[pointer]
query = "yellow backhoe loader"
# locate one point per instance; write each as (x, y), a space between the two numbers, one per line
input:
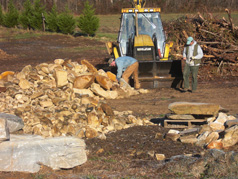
(141, 36)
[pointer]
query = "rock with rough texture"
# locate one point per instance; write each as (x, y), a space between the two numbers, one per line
(14, 123)
(172, 136)
(160, 156)
(194, 108)
(213, 136)
(61, 78)
(191, 131)
(84, 81)
(202, 139)
(191, 139)
(103, 93)
(212, 164)
(4, 130)
(24, 84)
(48, 100)
(104, 82)
(231, 123)
(180, 117)
(91, 133)
(25, 153)
(230, 137)
(83, 92)
(218, 124)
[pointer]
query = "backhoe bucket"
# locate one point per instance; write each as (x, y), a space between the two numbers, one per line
(158, 74)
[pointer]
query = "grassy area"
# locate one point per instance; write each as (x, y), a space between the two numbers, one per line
(14, 33)
(83, 48)
(109, 23)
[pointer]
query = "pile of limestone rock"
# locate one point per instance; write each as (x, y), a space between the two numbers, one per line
(65, 98)
(220, 130)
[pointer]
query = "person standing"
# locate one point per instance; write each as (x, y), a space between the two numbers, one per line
(192, 54)
(126, 66)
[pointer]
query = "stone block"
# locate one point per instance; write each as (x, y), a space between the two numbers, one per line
(194, 108)
(25, 153)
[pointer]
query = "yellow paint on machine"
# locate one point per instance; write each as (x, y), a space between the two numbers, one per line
(143, 40)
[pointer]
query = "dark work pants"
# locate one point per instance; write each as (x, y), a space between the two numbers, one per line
(186, 73)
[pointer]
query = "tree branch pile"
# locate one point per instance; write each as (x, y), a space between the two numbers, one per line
(217, 37)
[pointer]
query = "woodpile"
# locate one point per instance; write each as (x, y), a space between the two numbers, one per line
(217, 37)
(65, 98)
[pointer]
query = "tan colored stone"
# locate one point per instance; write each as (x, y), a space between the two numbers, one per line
(104, 81)
(93, 119)
(158, 135)
(180, 116)
(91, 133)
(61, 78)
(83, 92)
(202, 139)
(59, 61)
(24, 84)
(188, 139)
(172, 136)
(143, 91)
(217, 126)
(101, 92)
(46, 104)
(213, 136)
(107, 109)
(230, 137)
(194, 108)
(205, 128)
(83, 81)
(37, 94)
(160, 157)
(131, 119)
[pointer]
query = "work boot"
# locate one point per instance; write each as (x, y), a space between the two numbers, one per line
(184, 90)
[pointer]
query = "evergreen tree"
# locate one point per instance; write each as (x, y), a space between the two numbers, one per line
(11, 17)
(88, 22)
(38, 10)
(26, 15)
(1, 15)
(51, 19)
(66, 22)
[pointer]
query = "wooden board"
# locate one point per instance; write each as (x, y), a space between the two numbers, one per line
(183, 123)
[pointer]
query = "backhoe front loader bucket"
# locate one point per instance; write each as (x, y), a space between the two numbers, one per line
(158, 74)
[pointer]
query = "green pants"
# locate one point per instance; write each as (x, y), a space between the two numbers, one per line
(187, 70)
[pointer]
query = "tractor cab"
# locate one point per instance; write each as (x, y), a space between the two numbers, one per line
(145, 37)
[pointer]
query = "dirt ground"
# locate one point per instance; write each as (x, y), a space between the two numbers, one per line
(126, 153)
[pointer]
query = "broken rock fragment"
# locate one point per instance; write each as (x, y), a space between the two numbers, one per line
(4, 131)
(14, 123)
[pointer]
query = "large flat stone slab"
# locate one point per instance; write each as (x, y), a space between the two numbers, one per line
(25, 153)
(194, 108)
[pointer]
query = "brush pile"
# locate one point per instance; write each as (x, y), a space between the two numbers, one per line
(217, 37)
